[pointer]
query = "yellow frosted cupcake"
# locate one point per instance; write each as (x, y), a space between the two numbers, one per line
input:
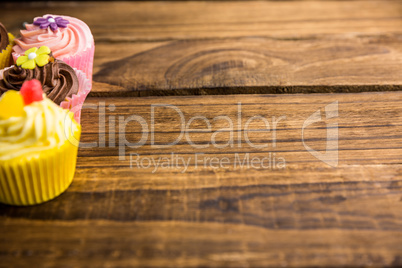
(6, 45)
(38, 146)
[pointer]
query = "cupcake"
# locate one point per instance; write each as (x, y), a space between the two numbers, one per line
(38, 146)
(64, 85)
(69, 39)
(6, 44)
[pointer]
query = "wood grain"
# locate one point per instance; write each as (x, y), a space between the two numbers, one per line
(168, 244)
(307, 214)
(256, 66)
(170, 20)
(253, 47)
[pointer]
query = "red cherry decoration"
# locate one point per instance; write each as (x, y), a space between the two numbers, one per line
(31, 91)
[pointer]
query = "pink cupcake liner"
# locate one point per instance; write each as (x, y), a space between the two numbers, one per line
(82, 61)
(75, 103)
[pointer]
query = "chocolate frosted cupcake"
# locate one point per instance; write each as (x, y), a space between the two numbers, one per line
(63, 84)
(6, 45)
(59, 80)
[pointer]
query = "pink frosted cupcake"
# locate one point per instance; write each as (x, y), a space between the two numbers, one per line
(69, 39)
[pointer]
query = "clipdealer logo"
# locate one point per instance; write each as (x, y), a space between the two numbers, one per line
(237, 128)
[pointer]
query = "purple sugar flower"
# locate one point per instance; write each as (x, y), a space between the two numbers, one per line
(53, 23)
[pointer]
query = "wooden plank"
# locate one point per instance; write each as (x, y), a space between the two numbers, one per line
(254, 66)
(308, 213)
(193, 48)
(360, 126)
(161, 21)
(185, 244)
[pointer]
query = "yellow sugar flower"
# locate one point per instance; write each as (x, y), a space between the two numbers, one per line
(33, 57)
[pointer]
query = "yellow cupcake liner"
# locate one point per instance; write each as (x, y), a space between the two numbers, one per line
(5, 54)
(34, 179)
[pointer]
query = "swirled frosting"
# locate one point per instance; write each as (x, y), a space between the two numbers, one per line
(58, 80)
(43, 126)
(3, 37)
(63, 42)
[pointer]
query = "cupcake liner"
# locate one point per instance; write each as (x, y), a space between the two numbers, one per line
(5, 53)
(82, 61)
(30, 180)
(75, 103)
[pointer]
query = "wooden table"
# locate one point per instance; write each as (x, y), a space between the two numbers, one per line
(223, 64)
